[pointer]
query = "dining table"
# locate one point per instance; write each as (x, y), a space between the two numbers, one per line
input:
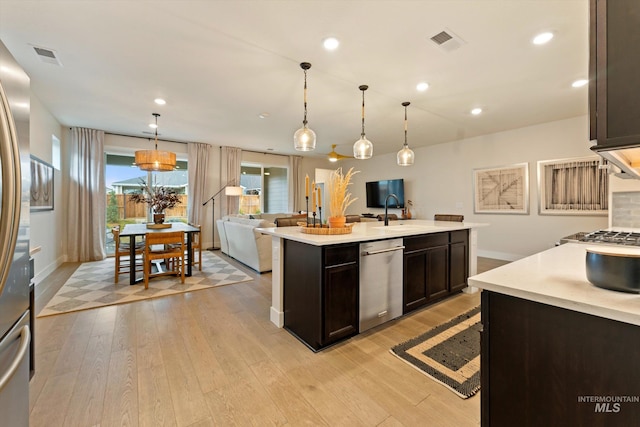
(135, 231)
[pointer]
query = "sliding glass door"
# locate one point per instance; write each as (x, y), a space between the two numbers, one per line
(264, 189)
(123, 178)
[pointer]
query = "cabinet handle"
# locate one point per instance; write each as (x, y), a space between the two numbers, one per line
(383, 313)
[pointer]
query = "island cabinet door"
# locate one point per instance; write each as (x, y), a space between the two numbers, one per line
(340, 302)
(426, 269)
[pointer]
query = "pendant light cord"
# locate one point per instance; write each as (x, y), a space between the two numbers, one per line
(363, 88)
(156, 115)
(405, 126)
(304, 122)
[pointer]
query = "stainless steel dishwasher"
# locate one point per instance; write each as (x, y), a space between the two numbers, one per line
(380, 282)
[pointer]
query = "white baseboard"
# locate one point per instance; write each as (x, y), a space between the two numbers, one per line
(277, 317)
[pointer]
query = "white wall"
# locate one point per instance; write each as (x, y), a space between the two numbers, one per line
(47, 228)
(441, 181)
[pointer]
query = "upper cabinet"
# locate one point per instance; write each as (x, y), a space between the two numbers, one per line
(614, 71)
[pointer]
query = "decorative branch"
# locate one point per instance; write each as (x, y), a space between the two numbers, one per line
(158, 197)
(339, 198)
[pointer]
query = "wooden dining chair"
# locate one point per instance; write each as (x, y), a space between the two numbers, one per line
(196, 238)
(122, 254)
(448, 217)
(169, 247)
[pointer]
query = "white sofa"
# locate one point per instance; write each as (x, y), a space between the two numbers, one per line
(240, 240)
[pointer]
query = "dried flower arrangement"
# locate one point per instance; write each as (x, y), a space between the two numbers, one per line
(157, 197)
(339, 198)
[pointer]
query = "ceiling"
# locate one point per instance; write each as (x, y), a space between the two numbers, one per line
(220, 64)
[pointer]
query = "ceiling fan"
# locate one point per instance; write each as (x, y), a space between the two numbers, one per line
(334, 157)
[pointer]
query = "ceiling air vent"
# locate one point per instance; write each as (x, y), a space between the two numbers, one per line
(447, 40)
(47, 55)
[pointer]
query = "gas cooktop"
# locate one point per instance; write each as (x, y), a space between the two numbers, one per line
(613, 237)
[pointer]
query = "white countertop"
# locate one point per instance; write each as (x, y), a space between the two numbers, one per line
(558, 277)
(366, 231)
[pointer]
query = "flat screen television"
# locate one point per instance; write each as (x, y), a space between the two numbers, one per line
(377, 192)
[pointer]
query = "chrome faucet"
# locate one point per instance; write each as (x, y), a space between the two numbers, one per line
(386, 207)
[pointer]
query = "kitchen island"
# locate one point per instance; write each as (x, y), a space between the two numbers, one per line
(321, 272)
(555, 349)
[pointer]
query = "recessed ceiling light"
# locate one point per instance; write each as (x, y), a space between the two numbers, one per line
(331, 43)
(159, 101)
(264, 115)
(543, 38)
(579, 83)
(476, 111)
(422, 86)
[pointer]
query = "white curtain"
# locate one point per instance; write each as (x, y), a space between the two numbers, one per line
(86, 222)
(198, 158)
(231, 159)
(294, 183)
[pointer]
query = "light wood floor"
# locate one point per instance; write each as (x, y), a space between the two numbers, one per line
(212, 357)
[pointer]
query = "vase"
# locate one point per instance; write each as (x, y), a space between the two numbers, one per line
(158, 218)
(337, 221)
(408, 214)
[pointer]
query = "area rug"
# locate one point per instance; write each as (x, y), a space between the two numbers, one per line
(92, 285)
(448, 353)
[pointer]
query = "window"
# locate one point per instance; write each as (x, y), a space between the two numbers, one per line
(55, 152)
(264, 189)
(122, 178)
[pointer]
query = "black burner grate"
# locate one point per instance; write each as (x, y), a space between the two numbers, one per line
(616, 237)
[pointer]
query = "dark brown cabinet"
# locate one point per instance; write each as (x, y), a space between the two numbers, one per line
(321, 285)
(547, 366)
(341, 286)
(321, 288)
(435, 266)
(614, 64)
(458, 260)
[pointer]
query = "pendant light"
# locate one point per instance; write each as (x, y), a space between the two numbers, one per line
(405, 155)
(305, 139)
(363, 148)
(156, 160)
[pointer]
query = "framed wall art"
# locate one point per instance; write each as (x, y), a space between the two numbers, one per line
(575, 186)
(41, 195)
(502, 190)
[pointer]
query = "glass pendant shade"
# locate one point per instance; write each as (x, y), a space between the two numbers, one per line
(155, 160)
(406, 157)
(304, 139)
(363, 148)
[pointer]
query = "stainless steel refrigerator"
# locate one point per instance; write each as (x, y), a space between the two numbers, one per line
(15, 182)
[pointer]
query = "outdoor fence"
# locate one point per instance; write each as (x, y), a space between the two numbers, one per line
(128, 209)
(249, 204)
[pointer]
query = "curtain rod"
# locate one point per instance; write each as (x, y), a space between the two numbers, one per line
(182, 142)
(151, 137)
